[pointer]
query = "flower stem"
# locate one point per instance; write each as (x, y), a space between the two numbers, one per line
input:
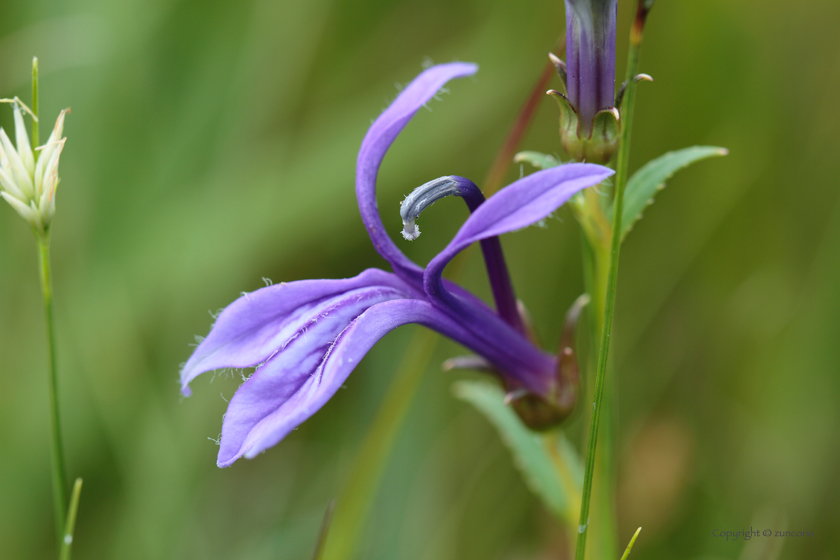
(596, 253)
(612, 277)
(56, 450)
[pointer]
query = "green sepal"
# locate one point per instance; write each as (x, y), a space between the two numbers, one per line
(549, 465)
(619, 98)
(537, 159)
(545, 412)
(569, 124)
(606, 134)
(595, 145)
(650, 179)
(560, 66)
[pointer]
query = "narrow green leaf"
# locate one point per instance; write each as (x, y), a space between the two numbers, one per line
(549, 477)
(70, 527)
(325, 528)
(650, 179)
(537, 159)
(630, 545)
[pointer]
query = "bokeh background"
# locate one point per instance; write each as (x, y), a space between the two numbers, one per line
(213, 143)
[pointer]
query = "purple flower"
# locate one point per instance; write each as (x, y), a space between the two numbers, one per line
(589, 112)
(306, 337)
(590, 56)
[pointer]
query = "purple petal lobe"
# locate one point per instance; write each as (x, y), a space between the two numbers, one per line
(296, 382)
(258, 324)
(379, 138)
(521, 204)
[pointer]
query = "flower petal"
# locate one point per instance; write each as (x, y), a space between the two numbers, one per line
(53, 142)
(259, 324)
(45, 185)
(8, 184)
(16, 170)
(21, 208)
(24, 149)
(379, 138)
(286, 391)
(517, 206)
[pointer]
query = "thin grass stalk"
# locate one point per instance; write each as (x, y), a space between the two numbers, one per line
(59, 477)
(612, 278)
(70, 527)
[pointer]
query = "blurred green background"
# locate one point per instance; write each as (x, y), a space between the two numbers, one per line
(213, 143)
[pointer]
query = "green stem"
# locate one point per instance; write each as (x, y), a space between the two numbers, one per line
(603, 494)
(612, 277)
(56, 451)
(596, 252)
(70, 527)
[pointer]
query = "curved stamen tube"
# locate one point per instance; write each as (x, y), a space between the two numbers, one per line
(421, 198)
(427, 194)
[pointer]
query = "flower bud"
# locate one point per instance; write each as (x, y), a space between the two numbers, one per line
(589, 122)
(590, 56)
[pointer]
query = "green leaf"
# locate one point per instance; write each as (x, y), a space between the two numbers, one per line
(650, 179)
(549, 464)
(630, 546)
(70, 526)
(325, 529)
(537, 159)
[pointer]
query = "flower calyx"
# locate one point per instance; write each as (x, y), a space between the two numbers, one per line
(542, 413)
(593, 142)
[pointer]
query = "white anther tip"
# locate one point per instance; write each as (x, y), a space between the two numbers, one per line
(410, 231)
